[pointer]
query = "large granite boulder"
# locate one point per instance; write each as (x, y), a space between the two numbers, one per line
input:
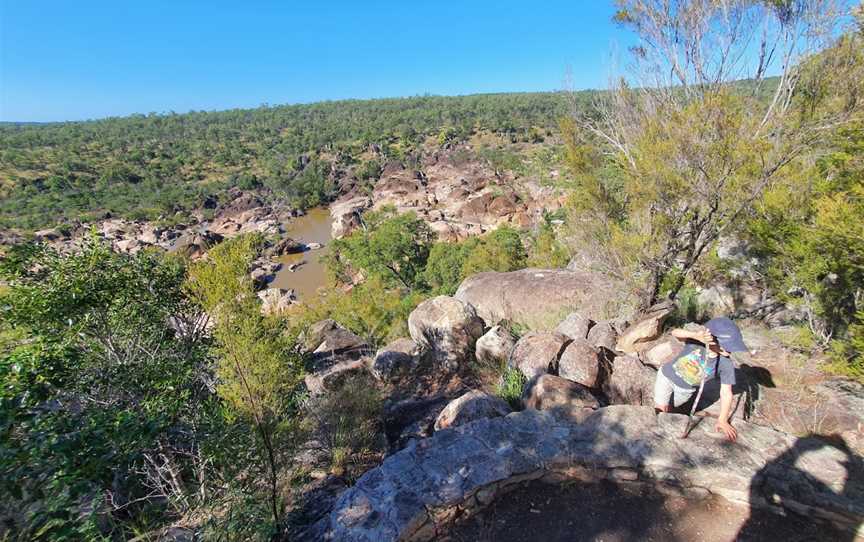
(537, 298)
(581, 363)
(286, 246)
(412, 418)
(631, 383)
(648, 327)
(537, 353)
(559, 395)
(329, 343)
(495, 346)
(603, 334)
(660, 351)
(471, 406)
(448, 327)
(575, 326)
(342, 342)
(314, 336)
(334, 375)
(346, 215)
(398, 358)
(194, 245)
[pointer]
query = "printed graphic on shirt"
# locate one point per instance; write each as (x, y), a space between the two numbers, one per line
(692, 368)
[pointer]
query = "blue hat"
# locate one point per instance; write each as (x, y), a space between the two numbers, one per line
(727, 334)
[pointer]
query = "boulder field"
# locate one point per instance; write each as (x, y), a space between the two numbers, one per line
(586, 414)
(458, 198)
(417, 492)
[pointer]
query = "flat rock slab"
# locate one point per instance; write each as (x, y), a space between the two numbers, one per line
(416, 492)
(537, 298)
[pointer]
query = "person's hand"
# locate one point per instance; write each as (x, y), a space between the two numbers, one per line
(704, 336)
(727, 429)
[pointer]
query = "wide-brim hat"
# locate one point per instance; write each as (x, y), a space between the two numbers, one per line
(727, 334)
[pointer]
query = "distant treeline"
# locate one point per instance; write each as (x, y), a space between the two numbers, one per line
(156, 165)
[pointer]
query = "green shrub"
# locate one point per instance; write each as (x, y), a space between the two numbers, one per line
(391, 247)
(511, 386)
(348, 420)
(96, 379)
(499, 250)
(443, 272)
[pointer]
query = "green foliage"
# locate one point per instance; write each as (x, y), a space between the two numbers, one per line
(390, 247)
(348, 421)
(155, 165)
(450, 263)
(511, 386)
(95, 380)
(444, 268)
(500, 250)
(810, 232)
(258, 366)
(371, 310)
(688, 308)
(502, 158)
(546, 250)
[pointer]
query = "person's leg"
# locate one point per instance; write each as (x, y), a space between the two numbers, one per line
(663, 391)
(681, 395)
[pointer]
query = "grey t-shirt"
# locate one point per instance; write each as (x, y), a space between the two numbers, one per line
(688, 367)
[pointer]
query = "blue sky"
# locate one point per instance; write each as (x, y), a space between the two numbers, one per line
(69, 60)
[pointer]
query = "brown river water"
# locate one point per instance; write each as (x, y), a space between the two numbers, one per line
(313, 227)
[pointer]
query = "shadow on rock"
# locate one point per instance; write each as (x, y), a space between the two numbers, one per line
(783, 481)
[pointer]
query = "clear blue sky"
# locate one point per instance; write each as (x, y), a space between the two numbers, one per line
(70, 60)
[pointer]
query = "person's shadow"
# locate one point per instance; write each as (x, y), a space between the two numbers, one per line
(782, 480)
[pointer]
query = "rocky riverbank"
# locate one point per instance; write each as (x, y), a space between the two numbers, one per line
(458, 198)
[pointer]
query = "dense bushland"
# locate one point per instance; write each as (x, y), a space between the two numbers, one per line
(666, 170)
(146, 166)
(124, 406)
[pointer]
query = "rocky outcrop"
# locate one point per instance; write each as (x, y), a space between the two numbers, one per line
(263, 271)
(581, 363)
(276, 300)
(334, 375)
(469, 407)
(536, 353)
(346, 215)
(661, 351)
(412, 418)
(631, 383)
(50, 235)
(394, 360)
(448, 327)
(336, 354)
(416, 492)
(329, 343)
(559, 396)
(575, 326)
(648, 327)
(495, 346)
(460, 197)
(194, 245)
(537, 298)
(603, 334)
(286, 246)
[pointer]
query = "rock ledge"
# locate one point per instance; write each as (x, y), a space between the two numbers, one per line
(417, 492)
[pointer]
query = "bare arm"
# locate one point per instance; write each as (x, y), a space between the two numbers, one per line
(702, 335)
(725, 409)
